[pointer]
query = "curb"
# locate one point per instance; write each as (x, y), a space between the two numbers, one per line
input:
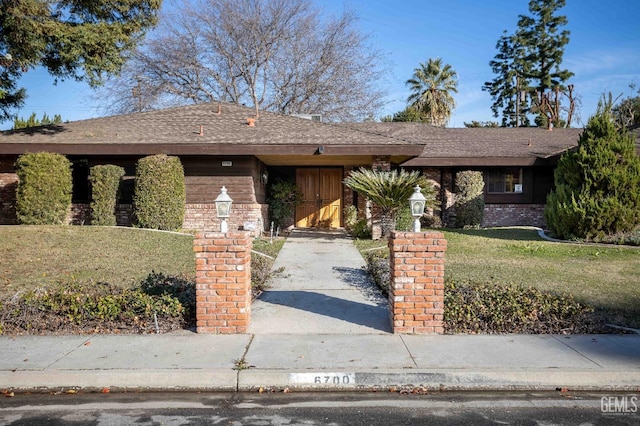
(197, 380)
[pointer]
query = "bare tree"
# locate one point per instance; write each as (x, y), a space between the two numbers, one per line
(276, 55)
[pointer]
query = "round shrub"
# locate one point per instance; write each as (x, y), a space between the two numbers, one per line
(43, 196)
(105, 185)
(469, 205)
(159, 195)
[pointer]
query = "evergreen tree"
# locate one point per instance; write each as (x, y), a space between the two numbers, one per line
(507, 87)
(76, 39)
(543, 41)
(597, 186)
(409, 114)
(529, 61)
(33, 121)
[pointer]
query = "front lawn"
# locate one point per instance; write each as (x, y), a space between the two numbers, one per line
(42, 255)
(84, 279)
(605, 277)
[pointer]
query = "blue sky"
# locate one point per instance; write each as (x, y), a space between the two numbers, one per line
(603, 52)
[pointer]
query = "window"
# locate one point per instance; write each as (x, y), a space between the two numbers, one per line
(507, 180)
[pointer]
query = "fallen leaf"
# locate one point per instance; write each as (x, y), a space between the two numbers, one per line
(87, 343)
(71, 391)
(261, 390)
(105, 390)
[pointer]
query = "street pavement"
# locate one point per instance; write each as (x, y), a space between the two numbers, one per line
(321, 326)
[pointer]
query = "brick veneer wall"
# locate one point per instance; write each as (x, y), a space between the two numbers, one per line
(197, 216)
(416, 291)
(223, 282)
(203, 216)
(514, 215)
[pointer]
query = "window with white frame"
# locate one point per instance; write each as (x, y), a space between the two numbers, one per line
(506, 180)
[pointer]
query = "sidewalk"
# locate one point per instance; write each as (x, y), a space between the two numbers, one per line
(188, 361)
(320, 327)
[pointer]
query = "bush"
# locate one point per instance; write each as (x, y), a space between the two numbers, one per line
(431, 221)
(283, 198)
(105, 185)
(469, 204)
(159, 195)
(486, 308)
(350, 215)
(45, 185)
(94, 308)
(361, 230)
(597, 186)
(378, 269)
(404, 220)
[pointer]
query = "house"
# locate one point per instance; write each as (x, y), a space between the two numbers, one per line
(223, 144)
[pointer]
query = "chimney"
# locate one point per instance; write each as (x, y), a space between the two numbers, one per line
(201, 130)
(219, 110)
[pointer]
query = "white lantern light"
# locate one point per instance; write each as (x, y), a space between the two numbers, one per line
(417, 202)
(223, 208)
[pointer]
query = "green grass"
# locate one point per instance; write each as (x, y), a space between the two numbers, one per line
(41, 255)
(605, 277)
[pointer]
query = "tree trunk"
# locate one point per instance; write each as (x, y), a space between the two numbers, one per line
(387, 224)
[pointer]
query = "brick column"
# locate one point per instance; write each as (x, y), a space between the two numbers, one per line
(223, 282)
(416, 291)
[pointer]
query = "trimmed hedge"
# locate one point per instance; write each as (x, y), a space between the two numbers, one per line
(105, 186)
(45, 185)
(159, 196)
(469, 205)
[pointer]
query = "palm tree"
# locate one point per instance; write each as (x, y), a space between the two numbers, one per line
(390, 191)
(431, 86)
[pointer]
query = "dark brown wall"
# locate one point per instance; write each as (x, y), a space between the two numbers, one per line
(205, 177)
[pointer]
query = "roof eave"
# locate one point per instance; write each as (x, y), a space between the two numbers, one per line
(208, 149)
(475, 162)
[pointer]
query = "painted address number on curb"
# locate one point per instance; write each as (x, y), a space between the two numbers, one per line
(328, 379)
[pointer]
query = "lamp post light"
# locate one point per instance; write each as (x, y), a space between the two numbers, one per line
(223, 208)
(417, 202)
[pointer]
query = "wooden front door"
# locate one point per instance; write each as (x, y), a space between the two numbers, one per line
(322, 197)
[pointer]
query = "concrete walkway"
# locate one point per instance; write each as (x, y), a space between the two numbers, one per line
(321, 326)
(322, 290)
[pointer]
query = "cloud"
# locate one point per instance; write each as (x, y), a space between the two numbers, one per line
(599, 61)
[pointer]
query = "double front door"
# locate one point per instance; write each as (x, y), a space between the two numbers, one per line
(322, 197)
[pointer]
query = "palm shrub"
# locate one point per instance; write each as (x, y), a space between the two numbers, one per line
(159, 195)
(597, 186)
(469, 204)
(390, 191)
(105, 185)
(45, 185)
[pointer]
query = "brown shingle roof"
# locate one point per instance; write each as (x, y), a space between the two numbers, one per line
(443, 145)
(178, 130)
